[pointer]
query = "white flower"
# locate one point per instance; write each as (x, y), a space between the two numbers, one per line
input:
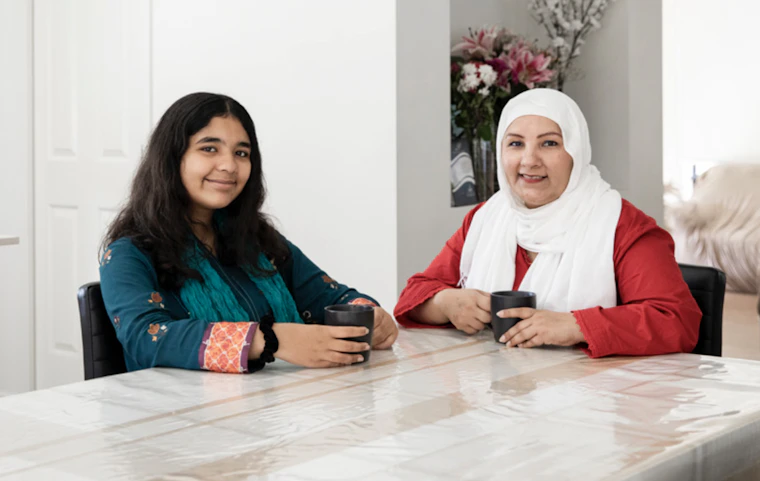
(484, 91)
(469, 69)
(469, 82)
(487, 75)
(556, 14)
(564, 20)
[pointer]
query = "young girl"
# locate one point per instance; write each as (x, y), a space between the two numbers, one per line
(195, 276)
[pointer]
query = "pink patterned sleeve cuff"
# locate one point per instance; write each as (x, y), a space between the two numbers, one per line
(225, 346)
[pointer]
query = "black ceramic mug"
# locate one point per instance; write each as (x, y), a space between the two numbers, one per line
(501, 300)
(353, 315)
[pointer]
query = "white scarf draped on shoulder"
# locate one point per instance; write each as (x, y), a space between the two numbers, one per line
(574, 236)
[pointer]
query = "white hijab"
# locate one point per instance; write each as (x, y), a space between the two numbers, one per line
(574, 236)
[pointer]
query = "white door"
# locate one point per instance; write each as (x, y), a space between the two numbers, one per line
(92, 119)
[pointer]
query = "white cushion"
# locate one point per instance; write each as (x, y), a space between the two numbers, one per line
(720, 224)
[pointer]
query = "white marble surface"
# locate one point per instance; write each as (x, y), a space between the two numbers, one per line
(6, 240)
(440, 406)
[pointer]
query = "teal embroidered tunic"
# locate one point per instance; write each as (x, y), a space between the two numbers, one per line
(156, 329)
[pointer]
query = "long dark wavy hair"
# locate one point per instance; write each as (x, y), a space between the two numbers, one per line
(156, 216)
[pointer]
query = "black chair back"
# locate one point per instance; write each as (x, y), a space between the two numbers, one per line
(103, 354)
(708, 286)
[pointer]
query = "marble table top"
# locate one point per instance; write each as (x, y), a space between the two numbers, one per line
(439, 406)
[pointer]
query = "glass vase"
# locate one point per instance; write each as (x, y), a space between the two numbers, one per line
(484, 164)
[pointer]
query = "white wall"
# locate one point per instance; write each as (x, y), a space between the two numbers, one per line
(645, 129)
(711, 104)
(319, 80)
(619, 93)
(426, 29)
(425, 219)
(512, 14)
(16, 302)
(621, 96)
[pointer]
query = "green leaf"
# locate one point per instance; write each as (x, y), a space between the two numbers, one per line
(484, 132)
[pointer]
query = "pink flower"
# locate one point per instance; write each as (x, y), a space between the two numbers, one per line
(501, 67)
(527, 67)
(481, 44)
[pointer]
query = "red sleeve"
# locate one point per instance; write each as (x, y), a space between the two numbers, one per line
(656, 313)
(442, 273)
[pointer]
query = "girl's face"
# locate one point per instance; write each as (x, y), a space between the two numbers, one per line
(216, 166)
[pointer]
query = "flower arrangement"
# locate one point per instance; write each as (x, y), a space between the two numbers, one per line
(488, 67)
(568, 23)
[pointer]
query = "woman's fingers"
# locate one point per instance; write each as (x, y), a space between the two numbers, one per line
(525, 335)
(518, 312)
(340, 345)
(383, 342)
(483, 316)
(483, 300)
(342, 358)
(535, 341)
(511, 333)
(344, 332)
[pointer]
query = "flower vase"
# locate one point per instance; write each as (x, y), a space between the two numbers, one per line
(484, 164)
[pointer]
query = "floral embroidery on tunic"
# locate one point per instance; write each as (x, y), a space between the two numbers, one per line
(156, 331)
(329, 280)
(106, 258)
(155, 298)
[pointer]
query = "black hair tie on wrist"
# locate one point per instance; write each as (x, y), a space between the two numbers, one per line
(271, 344)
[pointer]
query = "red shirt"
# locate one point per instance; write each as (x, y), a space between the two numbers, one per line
(656, 313)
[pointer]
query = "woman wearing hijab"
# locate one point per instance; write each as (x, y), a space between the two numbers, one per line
(195, 276)
(604, 273)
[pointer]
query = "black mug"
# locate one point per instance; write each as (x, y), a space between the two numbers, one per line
(353, 315)
(501, 300)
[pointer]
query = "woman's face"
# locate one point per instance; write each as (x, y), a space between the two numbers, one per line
(216, 166)
(535, 161)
